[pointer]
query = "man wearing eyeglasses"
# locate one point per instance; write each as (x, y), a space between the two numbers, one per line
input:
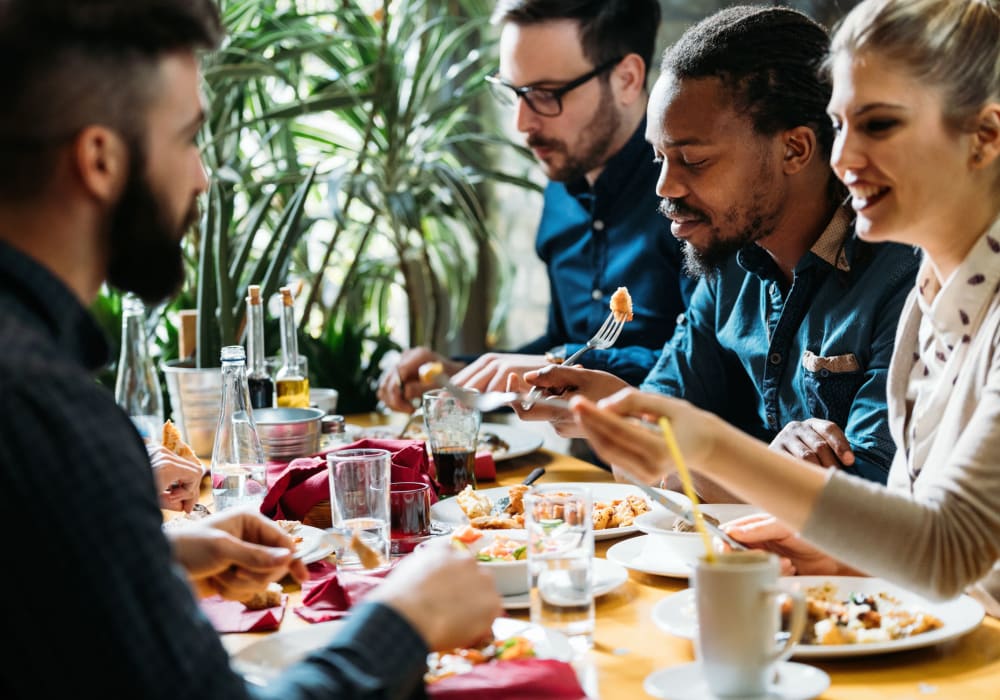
(575, 75)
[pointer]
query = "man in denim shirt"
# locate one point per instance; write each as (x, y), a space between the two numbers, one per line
(577, 76)
(789, 333)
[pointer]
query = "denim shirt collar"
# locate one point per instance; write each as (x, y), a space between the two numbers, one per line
(834, 248)
(54, 307)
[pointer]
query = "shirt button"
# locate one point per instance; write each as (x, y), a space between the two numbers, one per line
(596, 295)
(772, 421)
(775, 358)
(598, 225)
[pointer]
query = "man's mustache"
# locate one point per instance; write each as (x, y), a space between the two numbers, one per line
(542, 142)
(674, 209)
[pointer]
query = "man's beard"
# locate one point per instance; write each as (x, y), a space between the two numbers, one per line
(752, 226)
(596, 136)
(145, 255)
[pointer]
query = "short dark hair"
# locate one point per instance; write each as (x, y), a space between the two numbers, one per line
(770, 60)
(609, 29)
(84, 62)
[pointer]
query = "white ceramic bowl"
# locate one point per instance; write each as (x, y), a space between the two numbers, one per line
(324, 399)
(511, 576)
(685, 546)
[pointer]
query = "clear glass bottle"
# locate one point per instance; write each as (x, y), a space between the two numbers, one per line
(237, 456)
(258, 379)
(291, 385)
(137, 385)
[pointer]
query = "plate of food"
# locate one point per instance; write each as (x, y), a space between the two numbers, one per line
(309, 541)
(850, 616)
(501, 440)
(615, 507)
(261, 661)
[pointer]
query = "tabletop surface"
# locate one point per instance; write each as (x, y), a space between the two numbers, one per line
(629, 646)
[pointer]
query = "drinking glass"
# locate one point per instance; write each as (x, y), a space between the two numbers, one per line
(453, 434)
(560, 556)
(359, 500)
(410, 515)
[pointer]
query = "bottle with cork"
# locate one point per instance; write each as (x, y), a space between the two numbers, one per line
(258, 379)
(291, 385)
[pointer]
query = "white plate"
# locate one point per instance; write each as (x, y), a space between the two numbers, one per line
(448, 511)
(687, 682)
(632, 554)
(261, 661)
(607, 577)
(519, 440)
(314, 546)
(676, 615)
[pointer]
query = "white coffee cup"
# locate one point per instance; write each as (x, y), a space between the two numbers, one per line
(739, 617)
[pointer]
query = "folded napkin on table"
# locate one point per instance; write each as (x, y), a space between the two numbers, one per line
(329, 594)
(525, 679)
(233, 616)
(295, 487)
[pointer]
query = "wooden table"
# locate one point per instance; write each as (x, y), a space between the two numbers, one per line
(629, 646)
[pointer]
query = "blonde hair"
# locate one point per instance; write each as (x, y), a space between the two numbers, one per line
(952, 45)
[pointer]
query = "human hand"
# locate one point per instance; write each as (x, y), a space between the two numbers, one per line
(444, 594)
(400, 384)
(815, 440)
(798, 557)
(611, 428)
(235, 553)
(178, 479)
(565, 382)
(490, 371)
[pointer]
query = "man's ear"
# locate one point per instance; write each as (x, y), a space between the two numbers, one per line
(101, 157)
(800, 147)
(629, 78)
(986, 137)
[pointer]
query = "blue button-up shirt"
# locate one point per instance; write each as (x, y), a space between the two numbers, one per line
(762, 355)
(596, 239)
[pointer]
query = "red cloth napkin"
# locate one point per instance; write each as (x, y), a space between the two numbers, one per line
(329, 594)
(524, 679)
(233, 616)
(295, 487)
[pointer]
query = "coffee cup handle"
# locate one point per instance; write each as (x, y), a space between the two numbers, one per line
(797, 622)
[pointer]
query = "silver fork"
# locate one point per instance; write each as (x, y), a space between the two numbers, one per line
(604, 338)
(485, 402)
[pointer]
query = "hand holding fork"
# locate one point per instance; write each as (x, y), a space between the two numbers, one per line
(604, 338)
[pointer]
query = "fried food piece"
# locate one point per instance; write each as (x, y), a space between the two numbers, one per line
(267, 598)
(621, 305)
(172, 441)
(602, 517)
(516, 494)
(492, 522)
(429, 371)
(473, 503)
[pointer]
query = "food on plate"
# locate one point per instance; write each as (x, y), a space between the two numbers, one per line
(292, 528)
(478, 508)
(500, 549)
(859, 618)
(621, 305)
(473, 503)
(454, 661)
(620, 512)
(682, 525)
(172, 441)
(267, 598)
(488, 442)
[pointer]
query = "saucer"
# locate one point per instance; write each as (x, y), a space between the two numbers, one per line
(686, 682)
(607, 577)
(632, 554)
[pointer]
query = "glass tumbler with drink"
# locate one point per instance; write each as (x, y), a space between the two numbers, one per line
(560, 557)
(453, 434)
(359, 501)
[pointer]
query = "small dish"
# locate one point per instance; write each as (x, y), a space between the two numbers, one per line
(687, 682)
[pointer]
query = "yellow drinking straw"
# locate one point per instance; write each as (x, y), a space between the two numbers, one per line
(675, 453)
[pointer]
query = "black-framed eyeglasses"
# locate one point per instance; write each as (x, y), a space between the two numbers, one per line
(544, 101)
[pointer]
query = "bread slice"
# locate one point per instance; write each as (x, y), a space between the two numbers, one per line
(173, 442)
